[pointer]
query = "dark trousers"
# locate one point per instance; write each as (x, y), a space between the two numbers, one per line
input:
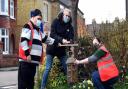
(98, 84)
(26, 75)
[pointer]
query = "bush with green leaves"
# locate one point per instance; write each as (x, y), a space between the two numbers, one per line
(38, 76)
(57, 79)
(86, 84)
(112, 39)
(122, 84)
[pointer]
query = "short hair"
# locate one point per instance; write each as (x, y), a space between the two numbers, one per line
(99, 40)
(32, 13)
(35, 12)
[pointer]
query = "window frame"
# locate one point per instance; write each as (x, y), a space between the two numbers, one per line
(5, 7)
(6, 38)
(12, 7)
(45, 11)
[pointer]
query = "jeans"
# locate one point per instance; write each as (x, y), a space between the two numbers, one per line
(49, 62)
(98, 84)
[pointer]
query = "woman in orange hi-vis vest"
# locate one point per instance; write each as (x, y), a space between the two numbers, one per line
(107, 73)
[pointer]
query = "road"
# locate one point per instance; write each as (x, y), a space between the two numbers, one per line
(8, 79)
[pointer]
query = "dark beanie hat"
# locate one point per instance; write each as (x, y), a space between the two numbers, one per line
(32, 13)
(36, 12)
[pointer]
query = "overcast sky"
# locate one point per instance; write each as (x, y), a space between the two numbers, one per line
(102, 10)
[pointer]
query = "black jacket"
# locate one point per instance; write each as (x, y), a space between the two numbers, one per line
(59, 31)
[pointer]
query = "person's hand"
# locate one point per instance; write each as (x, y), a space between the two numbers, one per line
(77, 62)
(64, 41)
(50, 41)
(29, 58)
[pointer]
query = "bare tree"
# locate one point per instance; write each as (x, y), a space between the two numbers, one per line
(74, 8)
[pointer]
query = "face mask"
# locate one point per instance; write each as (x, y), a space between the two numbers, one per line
(65, 19)
(38, 23)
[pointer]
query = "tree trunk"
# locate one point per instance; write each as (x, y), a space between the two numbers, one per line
(74, 8)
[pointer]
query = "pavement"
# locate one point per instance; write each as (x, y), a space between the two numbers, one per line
(9, 69)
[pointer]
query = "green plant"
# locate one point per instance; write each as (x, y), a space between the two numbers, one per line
(38, 76)
(60, 82)
(86, 84)
(122, 84)
(57, 79)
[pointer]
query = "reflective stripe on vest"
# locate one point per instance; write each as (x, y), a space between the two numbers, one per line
(106, 66)
(106, 58)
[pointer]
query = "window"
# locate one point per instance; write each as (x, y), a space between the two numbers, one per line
(4, 37)
(3, 7)
(12, 8)
(45, 14)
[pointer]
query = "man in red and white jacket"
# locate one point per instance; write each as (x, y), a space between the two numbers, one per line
(30, 50)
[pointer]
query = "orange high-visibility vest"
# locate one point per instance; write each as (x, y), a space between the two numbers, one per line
(106, 66)
(21, 51)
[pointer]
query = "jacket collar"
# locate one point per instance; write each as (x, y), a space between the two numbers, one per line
(34, 26)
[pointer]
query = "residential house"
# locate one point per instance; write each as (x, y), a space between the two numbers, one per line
(49, 9)
(15, 13)
(8, 17)
(82, 31)
(94, 28)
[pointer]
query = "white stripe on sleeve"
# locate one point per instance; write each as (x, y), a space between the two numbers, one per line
(26, 33)
(24, 45)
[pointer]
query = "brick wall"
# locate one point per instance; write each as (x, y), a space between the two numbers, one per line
(82, 31)
(4, 22)
(9, 61)
(10, 24)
